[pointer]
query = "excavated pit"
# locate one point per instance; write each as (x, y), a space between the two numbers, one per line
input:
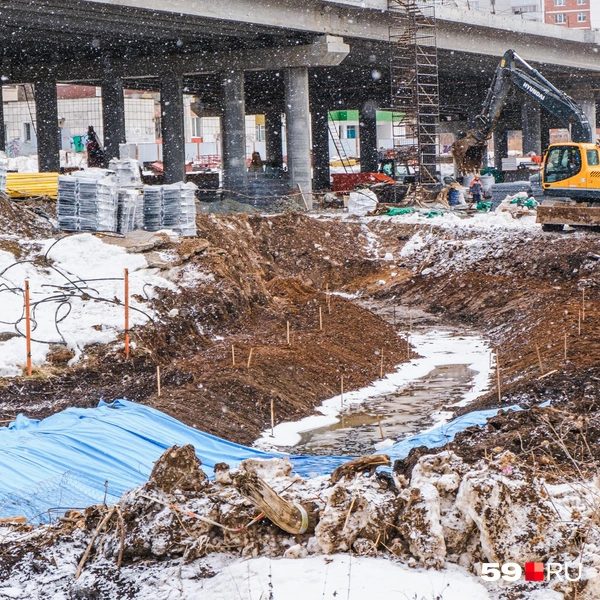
(493, 495)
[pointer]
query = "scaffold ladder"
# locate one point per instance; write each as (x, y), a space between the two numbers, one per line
(415, 90)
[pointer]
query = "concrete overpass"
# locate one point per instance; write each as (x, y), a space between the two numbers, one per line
(268, 56)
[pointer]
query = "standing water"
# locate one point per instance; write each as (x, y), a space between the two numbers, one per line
(453, 369)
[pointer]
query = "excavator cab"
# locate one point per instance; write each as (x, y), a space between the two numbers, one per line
(573, 171)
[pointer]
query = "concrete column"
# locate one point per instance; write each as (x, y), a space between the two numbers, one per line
(273, 135)
(113, 116)
(233, 131)
(2, 127)
(298, 129)
(172, 128)
(48, 135)
(544, 130)
(368, 138)
(588, 104)
(500, 146)
(319, 114)
(531, 126)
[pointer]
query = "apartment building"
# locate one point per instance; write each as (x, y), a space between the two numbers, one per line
(576, 14)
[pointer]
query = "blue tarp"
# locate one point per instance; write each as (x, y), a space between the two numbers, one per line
(80, 457)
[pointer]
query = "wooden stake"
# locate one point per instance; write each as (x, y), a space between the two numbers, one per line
(381, 366)
(233, 354)
(537, 349)
(498, 375)
(583, 304)
(158, 379)
(380, 428)
(272, 418)
(565, 347)
(27, 328)
(288, 332)
(410, 323)
(303, 197)
(249, 358)
(342, 391)
(126, 313)
(320, 319)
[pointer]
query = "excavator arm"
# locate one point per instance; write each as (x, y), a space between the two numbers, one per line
(513, 70)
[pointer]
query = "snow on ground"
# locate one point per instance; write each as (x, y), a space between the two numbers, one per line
(76, 297)
(437, 347)
(341, 576)
(335, 576)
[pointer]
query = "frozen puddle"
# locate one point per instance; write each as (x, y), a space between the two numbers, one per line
(454, 370)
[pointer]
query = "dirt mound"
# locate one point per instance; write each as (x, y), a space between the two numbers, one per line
(445, 511)
(221, 339)
(27, 218)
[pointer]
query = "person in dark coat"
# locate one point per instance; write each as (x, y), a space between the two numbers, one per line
(95, 153)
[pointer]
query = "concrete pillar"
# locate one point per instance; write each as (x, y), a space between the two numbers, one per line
(500, 146)
(298, 129)
(172, 128)
(273, 136)
(544, 130)
(48, 135)
(368, 138)
(319, 114)
(531, 126)
(233, 131)
(588, 105)
(2, 127)
(113, 116)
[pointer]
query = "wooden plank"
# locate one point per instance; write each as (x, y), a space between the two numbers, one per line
(289, 516)
(568, 215)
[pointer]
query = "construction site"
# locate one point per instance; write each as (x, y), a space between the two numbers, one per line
(298, 302)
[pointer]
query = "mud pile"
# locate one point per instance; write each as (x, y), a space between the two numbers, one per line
(444, 511)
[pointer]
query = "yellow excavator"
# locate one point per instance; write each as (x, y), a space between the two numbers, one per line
(569, 170)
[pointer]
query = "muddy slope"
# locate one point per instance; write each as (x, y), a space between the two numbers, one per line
(245, 280)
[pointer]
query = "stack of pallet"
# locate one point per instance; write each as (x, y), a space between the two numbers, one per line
(88, 201)
(170, 207)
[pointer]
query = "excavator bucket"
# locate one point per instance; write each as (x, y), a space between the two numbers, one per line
(468, 153)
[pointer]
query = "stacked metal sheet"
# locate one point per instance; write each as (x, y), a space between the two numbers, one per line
(130, 201)
(128, 172)
(187, 211)
(68, 203)
(170, 207)
(88, 201)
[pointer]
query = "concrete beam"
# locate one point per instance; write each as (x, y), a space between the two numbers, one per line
(325, 51)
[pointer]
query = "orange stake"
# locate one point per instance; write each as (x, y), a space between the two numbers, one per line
(126, 313)
(27, 327)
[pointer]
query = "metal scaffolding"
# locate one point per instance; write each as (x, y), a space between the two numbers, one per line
(415, 93)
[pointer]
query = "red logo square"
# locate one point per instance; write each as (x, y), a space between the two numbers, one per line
(534, 571)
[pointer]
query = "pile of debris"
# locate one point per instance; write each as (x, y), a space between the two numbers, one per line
(443, 511)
